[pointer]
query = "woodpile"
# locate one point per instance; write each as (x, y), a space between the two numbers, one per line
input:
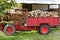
(16, 17)
(3, 17)
(38, 13)
(20, 16)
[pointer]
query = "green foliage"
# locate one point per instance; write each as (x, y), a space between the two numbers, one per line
(6, 4)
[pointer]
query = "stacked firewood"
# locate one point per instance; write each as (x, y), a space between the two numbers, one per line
(21, 17)
(16, 17)
(3, 17)
(38, 13)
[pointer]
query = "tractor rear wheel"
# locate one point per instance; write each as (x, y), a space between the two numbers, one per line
(44, 29)
(9, 29)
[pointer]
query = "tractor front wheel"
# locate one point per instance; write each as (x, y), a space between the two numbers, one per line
(9, 29)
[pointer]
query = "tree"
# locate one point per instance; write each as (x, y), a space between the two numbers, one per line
(6, 4)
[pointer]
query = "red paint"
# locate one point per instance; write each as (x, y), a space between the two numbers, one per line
(9, 30)
(44, 30)
(1, 28)
(52, 21)
(33, 22)
(16, 26)
(19, 28)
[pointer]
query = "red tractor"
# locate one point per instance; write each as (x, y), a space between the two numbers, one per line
(42, 24)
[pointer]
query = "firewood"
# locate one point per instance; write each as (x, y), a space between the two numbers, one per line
(38, 13)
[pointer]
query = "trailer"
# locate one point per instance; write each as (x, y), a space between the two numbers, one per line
(42, 24)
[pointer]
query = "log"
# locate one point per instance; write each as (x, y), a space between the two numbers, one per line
(38, 13)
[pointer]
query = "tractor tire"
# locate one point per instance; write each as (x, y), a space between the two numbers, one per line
(9, 29)
(44, 29)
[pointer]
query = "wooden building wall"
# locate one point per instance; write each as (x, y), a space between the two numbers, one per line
(39, 6)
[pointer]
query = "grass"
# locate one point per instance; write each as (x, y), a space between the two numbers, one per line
(32, 35)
